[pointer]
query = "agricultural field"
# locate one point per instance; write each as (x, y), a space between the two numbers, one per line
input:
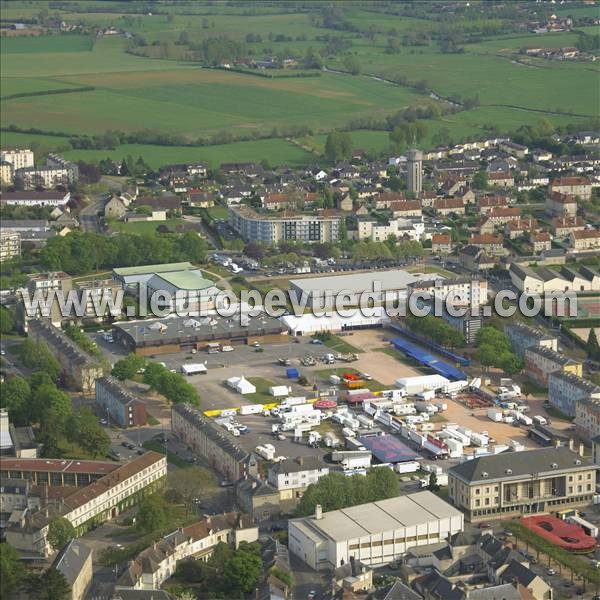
(146, 91)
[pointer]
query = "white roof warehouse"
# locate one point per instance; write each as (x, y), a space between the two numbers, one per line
(376, 533)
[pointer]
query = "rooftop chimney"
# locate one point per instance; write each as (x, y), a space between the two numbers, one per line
(318, 512)
(581, 449)
(557, 443)
(571, 444)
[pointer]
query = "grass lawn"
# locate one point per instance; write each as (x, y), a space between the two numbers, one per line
(340, 345)
(557, 414)
(437, 418)
(372, 384)
(530, 387)
(74, 451)
(261, 396)
(217, 212)
(144, 227)
(171, 456)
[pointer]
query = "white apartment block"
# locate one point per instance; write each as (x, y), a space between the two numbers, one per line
(45, 177)
(10, 245)
(6, 173)
(566, 391)
(19, 159)
(369, 229)
(459, 291)
(292, 476)
(271, 229)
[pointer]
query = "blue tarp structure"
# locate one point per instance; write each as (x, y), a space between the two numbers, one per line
(439, 366)
(388, 449)
(292, 374)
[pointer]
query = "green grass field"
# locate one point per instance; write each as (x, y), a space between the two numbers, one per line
(135, 93)
(145, 227)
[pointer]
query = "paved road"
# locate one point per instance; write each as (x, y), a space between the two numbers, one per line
(88, 216)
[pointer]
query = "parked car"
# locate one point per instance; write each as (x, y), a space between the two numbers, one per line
(551, 572)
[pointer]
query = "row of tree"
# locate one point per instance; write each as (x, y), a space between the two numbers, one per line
(82, 252)
(436, 330)
(335, 491)
(494, 350)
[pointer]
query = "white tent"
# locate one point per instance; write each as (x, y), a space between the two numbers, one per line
(279, 390)
(241, 385)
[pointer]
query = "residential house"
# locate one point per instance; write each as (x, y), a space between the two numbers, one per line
(154, 565)
(501, 179)
(540, 241)
(492, 243)
(115, 208)
(525, 279)
(576, 186)
(519, 227)
(386, 199)
(562, 226)
(200, 198)
(408, 208)
(81, 368)
(474, 258)
(514, 149)
(345, 203)
(441, 243)
(562, 205)
(540, 362)
(75, 563)
(591, 275)
(291, 477)
(518, 573)
(488, 203)
(161, 206)
(497, 217)
(580, 282)
(259, 499)
(585, 241)
(121, 406)
(447, 206)
(566, 390)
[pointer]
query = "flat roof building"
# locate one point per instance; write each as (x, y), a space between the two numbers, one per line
(182, 334)
(129, 276)
(375, 533)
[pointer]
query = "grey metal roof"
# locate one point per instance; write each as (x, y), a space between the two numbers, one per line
(71, 560)
(297, 465)
(550, 354)
(490, 468)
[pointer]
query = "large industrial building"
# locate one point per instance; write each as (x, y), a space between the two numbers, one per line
(322, 291)
(539, 481)
(375, 533)
(183, 334)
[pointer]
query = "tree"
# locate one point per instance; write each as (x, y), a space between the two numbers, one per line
(128, 366)
(243, 569)
(15, 394)
(7, 322)
(189, 484)
(51, 585)
(91, 437)
(352, 64)
(383, 483)
(480, 180)
(592, 346)
(184, 38)
(11, 570)
(38, 356)
(433, 485)
(338, 145)
(151, 514)
(152, 375)
(60, 532)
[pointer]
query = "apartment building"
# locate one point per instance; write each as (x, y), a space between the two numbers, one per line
(523, 336)
(121, 406)
(587, 417)
(18, 158)
(272, 229)
(212, 442)
(99, 501)
(566, 390)
(467, 324)
(291, 477)
(6, 173)
(80, 367)
(562, 226)
(561, 205)
(540, 362)
(542, 480)
(10, 245)
(58, 162)
(577, 186)
(449, 206)
(75, 562)
(492, 244)
(44, 177)
(99, 294)
(498, 217)
(460, 291)
(371, 229)
(154, 565)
